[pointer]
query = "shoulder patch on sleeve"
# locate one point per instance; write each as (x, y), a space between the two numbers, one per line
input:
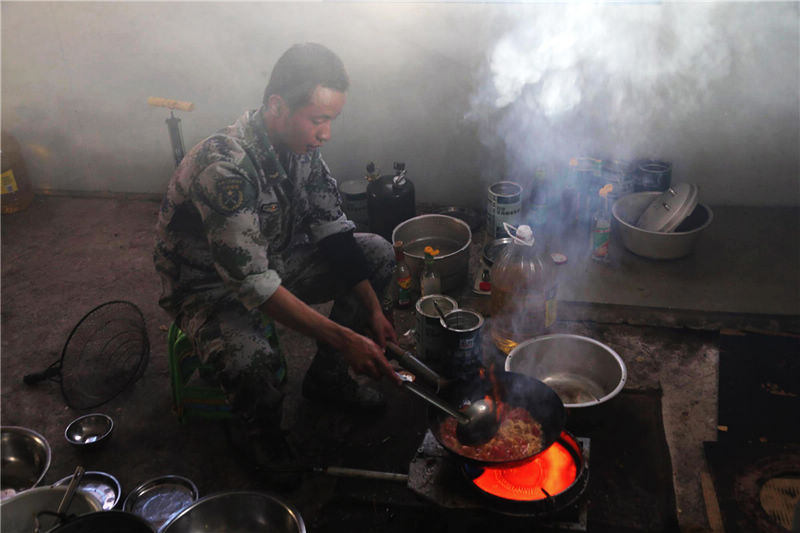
(230, 193)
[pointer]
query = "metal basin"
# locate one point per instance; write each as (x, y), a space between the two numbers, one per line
(17, 515)
(656, 244)
(451, 236)
(89, 431)
(26, 458)
(237, 512)
(582, 371)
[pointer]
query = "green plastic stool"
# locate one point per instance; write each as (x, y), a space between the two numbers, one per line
(195, 400)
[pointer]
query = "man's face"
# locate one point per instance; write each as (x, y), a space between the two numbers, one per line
(308, 127)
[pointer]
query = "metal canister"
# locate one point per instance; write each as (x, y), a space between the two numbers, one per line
(504, 204)
(430, 333)
(462, 350)
(354, 202)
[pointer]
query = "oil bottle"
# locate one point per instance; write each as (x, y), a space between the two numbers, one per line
(523, 298)
(17, 193)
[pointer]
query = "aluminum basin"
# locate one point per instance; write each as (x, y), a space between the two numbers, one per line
(451, 236)
(582, 371)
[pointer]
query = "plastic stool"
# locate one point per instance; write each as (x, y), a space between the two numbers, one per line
(195, 400)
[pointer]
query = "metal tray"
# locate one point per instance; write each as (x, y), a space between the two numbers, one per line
(101, 486)
(158, 500)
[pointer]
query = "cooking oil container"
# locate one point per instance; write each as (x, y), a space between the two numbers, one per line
(523, 297)
(16, 189)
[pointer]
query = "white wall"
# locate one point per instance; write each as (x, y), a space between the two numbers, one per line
(464, 93)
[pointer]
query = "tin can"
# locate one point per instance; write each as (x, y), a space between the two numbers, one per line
(355, 203)
(430, 333)
(504, 205)
(652, 175)
(619, 173)
(462, 350)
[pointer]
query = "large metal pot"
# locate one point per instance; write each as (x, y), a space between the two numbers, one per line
(656, 244)
(451, 236)
(106, 522)
(583, 372)
(18, 514)
(237, 512)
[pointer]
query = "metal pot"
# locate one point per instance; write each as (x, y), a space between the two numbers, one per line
(583, 372)
(451, 236)
(18, 514)
(26, 458)
(655, 244)
(106, 521)
(234, 512)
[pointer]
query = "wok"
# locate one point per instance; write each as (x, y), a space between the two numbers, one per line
(513, 389)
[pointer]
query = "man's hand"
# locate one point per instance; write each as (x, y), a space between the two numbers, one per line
(366, 357)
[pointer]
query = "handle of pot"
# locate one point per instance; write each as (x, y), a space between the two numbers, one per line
(73, 486)
(409, 362)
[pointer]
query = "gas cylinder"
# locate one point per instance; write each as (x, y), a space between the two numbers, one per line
(16, 189)
(390, 200)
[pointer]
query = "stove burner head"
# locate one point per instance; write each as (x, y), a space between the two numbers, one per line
(555, 477)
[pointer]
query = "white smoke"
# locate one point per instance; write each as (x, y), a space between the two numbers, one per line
(596, 79)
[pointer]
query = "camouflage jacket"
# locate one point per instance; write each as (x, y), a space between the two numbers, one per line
(231, 209)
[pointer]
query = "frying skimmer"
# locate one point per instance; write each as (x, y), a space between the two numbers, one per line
(105, 352)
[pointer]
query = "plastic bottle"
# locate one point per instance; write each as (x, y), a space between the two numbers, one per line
(601, 227)
(16, 189)
(430, 282)
(402, 278)
(523, 298)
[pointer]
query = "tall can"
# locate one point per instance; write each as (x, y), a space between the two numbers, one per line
(430, 333)
(462, 352)
(504, 204)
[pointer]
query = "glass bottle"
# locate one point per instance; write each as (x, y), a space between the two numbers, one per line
(402, 278)
(523, 298)
(430, 282)
(601, 227)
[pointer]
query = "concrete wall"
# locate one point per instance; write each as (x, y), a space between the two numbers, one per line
(464, 93)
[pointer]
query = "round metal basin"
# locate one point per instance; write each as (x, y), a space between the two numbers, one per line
(582, 371)
(26, 458)
(90, 431)
(237, 512)
(451, 236)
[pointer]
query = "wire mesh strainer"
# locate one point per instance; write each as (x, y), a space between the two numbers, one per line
(105, 353)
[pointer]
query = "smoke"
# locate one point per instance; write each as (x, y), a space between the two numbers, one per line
(594, 79)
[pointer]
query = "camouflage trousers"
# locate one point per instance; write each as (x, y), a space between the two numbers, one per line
(242, 346)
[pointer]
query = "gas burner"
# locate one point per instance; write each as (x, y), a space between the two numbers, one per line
(547, 487)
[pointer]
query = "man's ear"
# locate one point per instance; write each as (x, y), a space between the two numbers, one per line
(276, 105)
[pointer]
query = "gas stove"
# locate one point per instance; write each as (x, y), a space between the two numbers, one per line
(526, 491)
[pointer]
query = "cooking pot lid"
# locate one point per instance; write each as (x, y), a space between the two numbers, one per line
(669, 209)
(353, 187)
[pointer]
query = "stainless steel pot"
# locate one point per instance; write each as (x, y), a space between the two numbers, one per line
(18, 514)
(451, 236)
(583, 372)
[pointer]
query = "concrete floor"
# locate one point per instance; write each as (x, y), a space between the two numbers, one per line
(65, 255)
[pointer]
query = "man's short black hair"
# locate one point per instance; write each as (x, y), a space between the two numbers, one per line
(300, 69)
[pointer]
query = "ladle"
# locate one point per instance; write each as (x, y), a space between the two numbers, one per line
(477, 423)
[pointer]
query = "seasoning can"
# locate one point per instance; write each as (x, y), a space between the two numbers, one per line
(430, 333)
(652, 175)
(355, 202)
(504, 204)
(462, 350)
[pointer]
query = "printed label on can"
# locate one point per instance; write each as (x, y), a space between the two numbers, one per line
(504, 204)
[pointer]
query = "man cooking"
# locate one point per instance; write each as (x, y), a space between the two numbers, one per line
(252, 227)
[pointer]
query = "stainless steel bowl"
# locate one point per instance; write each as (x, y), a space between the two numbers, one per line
(26, 458)
(451, 236)
(90, 431)
(103, 487)
(654, 244)
(238, 512)
(583, 372)
(18, 513)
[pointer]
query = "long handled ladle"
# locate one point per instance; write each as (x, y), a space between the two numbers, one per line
(477, 423)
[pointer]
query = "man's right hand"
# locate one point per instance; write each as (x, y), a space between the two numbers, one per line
(366, 357)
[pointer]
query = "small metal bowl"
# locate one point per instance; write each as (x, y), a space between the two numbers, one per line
(25, 456)
(90, 431)
(101, 486)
